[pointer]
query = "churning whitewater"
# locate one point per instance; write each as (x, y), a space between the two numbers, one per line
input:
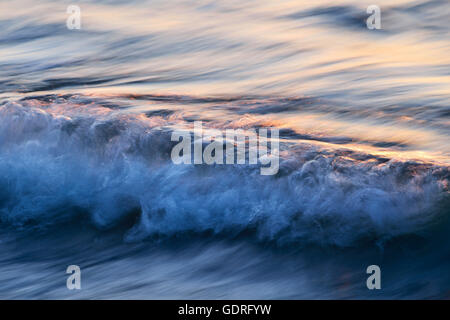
(60, 156)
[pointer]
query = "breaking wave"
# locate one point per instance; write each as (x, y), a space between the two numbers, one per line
(61, 160)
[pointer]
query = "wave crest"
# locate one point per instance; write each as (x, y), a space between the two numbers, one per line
(59, 161)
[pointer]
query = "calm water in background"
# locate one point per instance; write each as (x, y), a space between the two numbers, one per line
(85, 170)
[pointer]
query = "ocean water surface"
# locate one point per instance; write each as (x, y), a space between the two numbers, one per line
(86, 177)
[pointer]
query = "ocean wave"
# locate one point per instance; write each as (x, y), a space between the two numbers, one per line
(60, 160)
